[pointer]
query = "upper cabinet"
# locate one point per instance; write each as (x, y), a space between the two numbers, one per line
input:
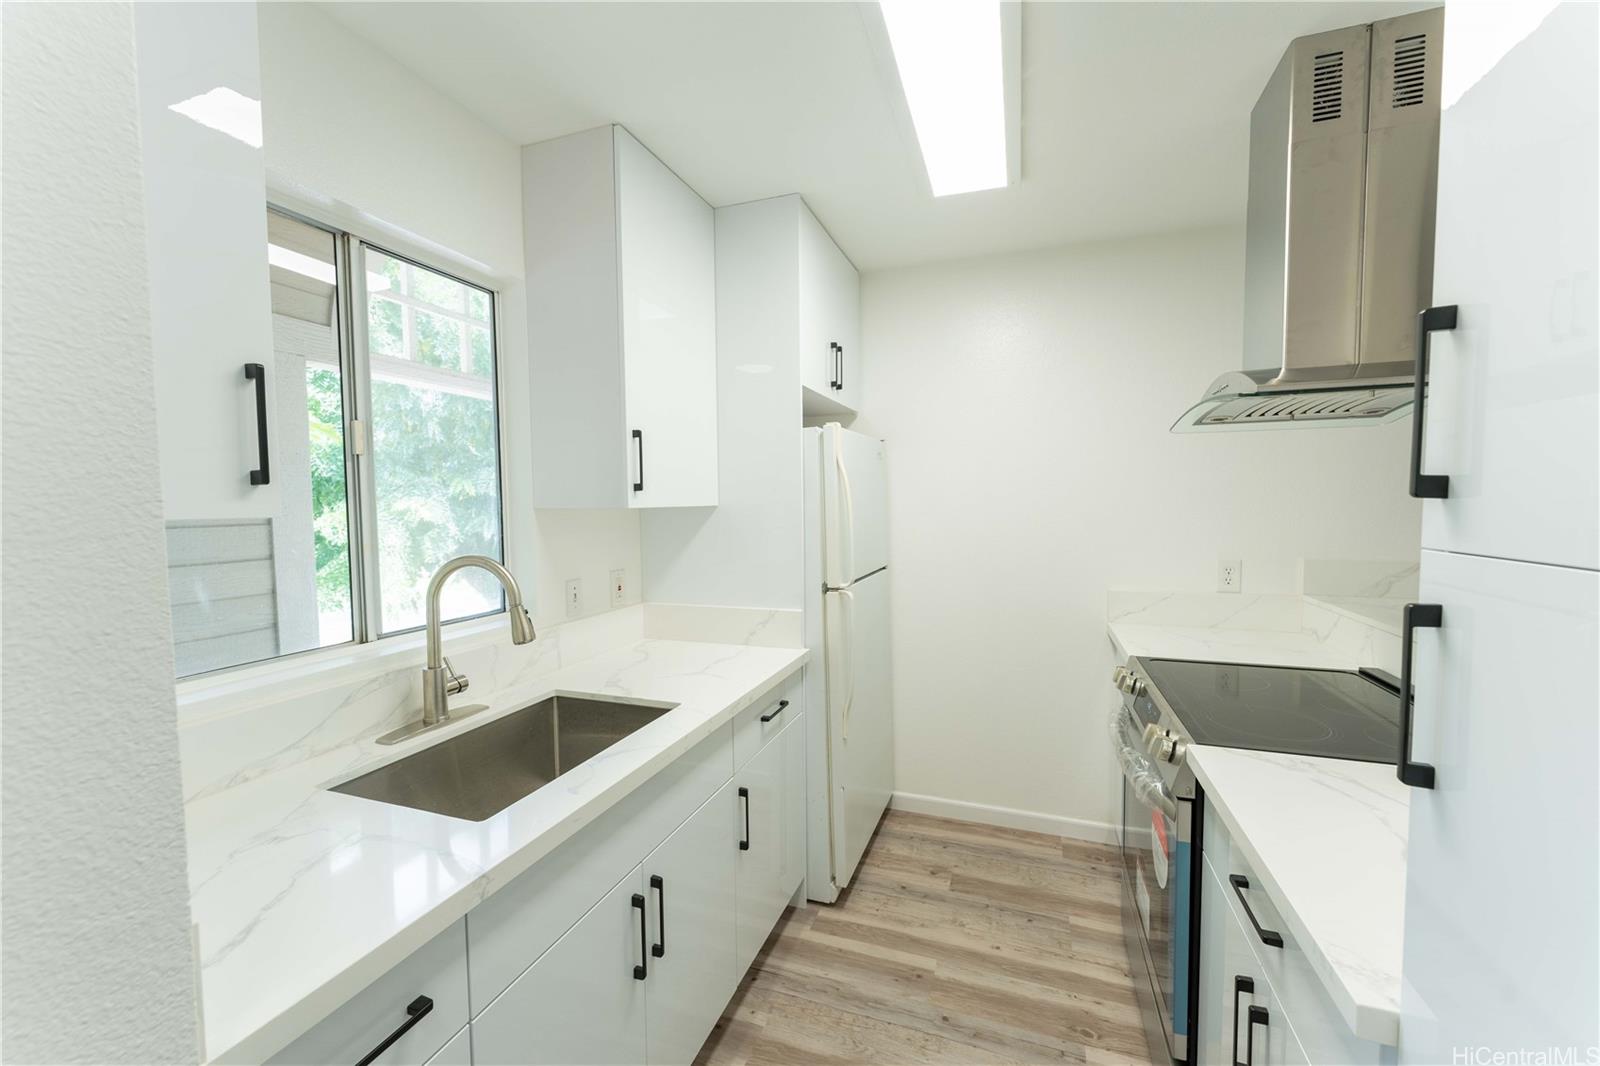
(1512, 401)
(830, 322)
(621, 278)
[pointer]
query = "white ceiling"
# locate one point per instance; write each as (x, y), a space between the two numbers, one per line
(1135, 116)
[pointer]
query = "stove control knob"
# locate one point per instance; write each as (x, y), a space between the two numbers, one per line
(1165, 748)
(1150, 735)
(1117, 675)
(1136, 685)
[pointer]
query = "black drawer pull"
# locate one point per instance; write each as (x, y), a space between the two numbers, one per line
(1426, 486)
(659, 948)
(1257, 1016)
(744, 794)
(638, 435)
(415, 1012)
(261, 475)
(1240, 882)
(775, 711)
(641, 971)
(1241, 985)
(1417, 616)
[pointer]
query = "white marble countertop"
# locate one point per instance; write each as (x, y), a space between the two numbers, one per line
(302, 897)
(1327, 838)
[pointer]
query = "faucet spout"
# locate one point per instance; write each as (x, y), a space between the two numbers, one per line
(438, 682)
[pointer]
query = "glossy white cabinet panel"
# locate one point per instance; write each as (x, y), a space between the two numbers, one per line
(205, 206)
(759, 820)
(1232, 981)
(751, 734)
(458, 1052)
(437, 970)
(621, 280)
(1502, 881)
(1513, 408)
(689, 890)
(830, 320)
(581, 1002)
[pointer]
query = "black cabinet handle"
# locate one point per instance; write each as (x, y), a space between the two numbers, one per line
(744, 794)
(641, 971)
(1268, 937)
(1241, 985)
(257, 373)
(1427, 486)
(659, 948)
(638, 435)
(1416, 616)
(416, 1011)
(840, 386)
(1257, 1016)
(770, 715)
(833, 364)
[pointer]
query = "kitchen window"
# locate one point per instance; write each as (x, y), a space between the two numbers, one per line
(315, 501)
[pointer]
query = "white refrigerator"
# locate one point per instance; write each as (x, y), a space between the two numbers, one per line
(850, 753)
(1502, 926)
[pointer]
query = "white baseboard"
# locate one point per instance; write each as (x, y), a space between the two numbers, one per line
(1009, 817)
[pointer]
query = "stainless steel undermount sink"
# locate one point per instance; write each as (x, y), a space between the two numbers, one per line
(485, 770)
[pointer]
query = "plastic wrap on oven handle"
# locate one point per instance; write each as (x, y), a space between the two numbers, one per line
(1137, 769)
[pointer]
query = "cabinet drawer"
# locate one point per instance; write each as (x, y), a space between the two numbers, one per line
(515, 925)
(1306, 1004)
(750, 733)
(437, 970)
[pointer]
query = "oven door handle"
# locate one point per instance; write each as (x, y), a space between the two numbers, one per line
(1139, 771)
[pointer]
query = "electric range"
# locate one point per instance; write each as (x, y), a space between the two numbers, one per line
(1169, 705)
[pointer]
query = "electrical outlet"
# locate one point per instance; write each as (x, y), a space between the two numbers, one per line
(619, 587)
(574, 597)
(1230, 575)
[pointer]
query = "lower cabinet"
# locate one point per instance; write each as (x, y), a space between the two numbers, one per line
(644, 974)
(584, 1000)
(689, 889)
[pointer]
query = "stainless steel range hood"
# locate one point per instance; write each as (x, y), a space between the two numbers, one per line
(1344, 160)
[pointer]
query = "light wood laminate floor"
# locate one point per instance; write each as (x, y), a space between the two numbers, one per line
(956, 943)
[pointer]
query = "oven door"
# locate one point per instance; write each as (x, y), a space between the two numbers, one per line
(1157, 874)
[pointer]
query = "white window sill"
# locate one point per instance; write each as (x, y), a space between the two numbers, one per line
(228, 691)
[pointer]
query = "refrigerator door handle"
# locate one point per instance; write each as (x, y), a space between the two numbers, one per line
(847, 639)
(847, 554)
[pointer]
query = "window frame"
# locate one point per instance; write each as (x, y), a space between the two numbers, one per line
(366, 607)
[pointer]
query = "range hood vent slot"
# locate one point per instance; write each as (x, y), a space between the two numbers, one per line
(1410, 70)
(1327, 86)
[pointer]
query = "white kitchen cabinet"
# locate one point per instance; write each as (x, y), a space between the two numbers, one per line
(458, 1052)
(621, 280)
(1501, 879)
(689, 884)
(584, 1001)
(1513, 405)
(430, 985)
(788, 301)
(794, 803)
(205, 208)
(830, 321)
(771, 830)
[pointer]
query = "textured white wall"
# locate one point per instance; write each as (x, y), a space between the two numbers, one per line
(96, 901)
(1026, 400)
(368, 144)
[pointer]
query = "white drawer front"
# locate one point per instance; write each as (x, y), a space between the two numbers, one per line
(512, 928)
(751, 734)
(437, 970)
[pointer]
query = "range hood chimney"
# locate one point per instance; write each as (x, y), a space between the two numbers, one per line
(1344, 162)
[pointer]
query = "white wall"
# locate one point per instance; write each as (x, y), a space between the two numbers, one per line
(360, 141)
(98, 964)
(1026, 400)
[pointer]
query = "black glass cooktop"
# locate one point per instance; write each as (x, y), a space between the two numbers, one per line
(1334, 714)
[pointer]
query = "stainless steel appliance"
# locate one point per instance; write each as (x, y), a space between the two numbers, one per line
(1344, 162)
(1169, 705)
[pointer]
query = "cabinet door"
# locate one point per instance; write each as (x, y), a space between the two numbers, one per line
(793, 739)
(689, 883)
(846, 309)
(581, 1002)
(666, 241)
(1501, 879)
(1513, 412)
(819, 366)
(760, 814)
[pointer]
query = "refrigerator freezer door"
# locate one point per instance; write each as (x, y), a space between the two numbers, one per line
(860, 717)
(1501, 924)
(857, 505)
